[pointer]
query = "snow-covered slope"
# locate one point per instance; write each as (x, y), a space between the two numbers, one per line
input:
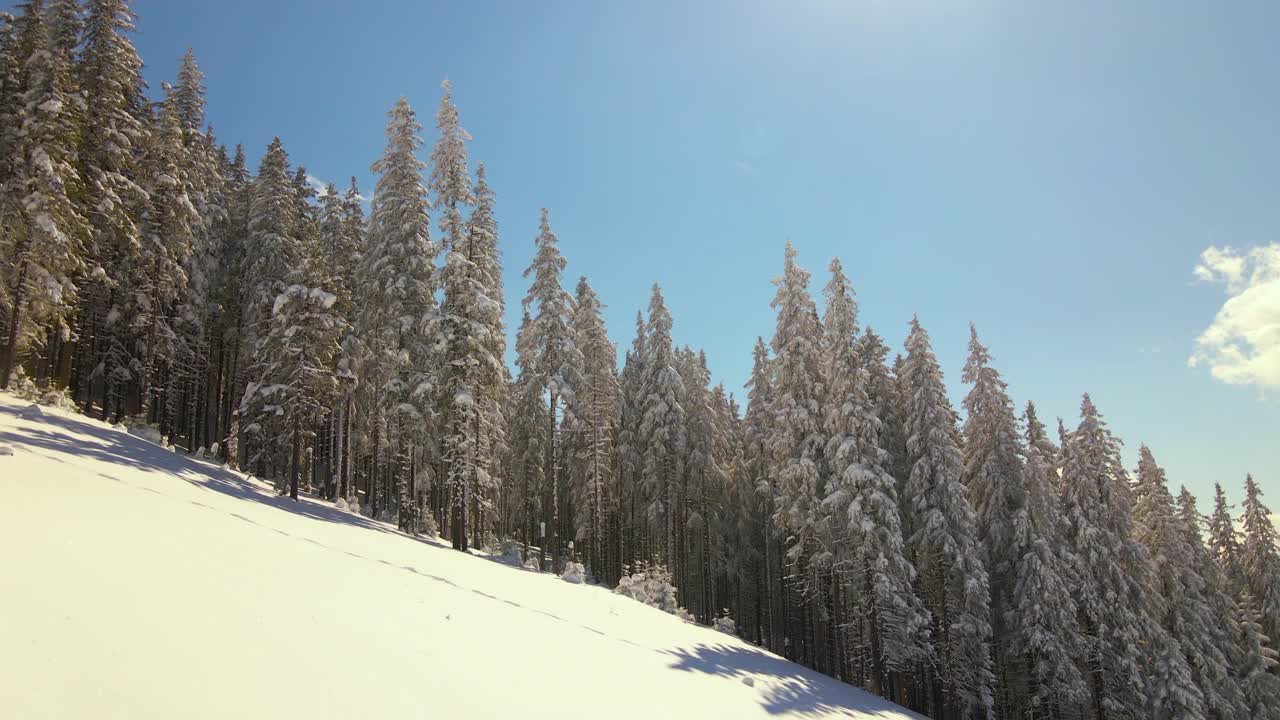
(137, 583)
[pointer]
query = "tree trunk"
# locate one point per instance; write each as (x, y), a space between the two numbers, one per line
(15, 316)
(295, 463)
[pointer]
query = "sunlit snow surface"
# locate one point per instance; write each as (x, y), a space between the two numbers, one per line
(138, 583)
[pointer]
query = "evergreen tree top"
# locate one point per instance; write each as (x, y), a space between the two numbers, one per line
(840, 321)
(449, 181)
(189, 93)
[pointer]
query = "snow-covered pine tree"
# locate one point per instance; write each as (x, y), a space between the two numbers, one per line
(231, 296)
(337, 244)
(10, 122)
(188, 98)
(796, 441)
(883, 396)
(595, 417)
(1177, 600)
(900, 459)
(551, 343)
(1043, 644)
(481, 247)
(114, 132)
(272, 251)
(529, 437)
(1260, 556)
(1097, 503)
(298, 381)
(1224, 540)
(271, 254)
(662, 428)
(306, 224)
(170, 227)
(630, 451)
(202, 313)
(1217, 612)
(10, 107)
(341, 240)
(466, 300)
(844, 405)
(46, 230)
(731, 551)
(869, 548)
(1256, 662)
(993, 477)
(201, 172)
(762, 499)
(396, 318)
(66, 25)
(944, 540)
(449, 181)
(703, 481)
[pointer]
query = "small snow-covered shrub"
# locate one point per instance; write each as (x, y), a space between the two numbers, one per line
(725, 624)
(148, 433)
(427, 526)
(340, 504)
(58, 398)
(22, 386)
(25, 388)
(510, 553)
(574, 573)
(651, 585)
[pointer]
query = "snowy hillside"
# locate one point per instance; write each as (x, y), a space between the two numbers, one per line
(140, 584)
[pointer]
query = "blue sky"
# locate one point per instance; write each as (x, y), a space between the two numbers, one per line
(1050, 171)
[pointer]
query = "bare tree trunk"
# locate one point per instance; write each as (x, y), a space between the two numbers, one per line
(15, 316)
(295, 463)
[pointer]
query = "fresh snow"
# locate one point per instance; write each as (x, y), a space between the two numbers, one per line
(139, 583)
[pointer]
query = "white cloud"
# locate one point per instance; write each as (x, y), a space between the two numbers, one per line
(1242, 344)
(321, 187)
(1221, 265)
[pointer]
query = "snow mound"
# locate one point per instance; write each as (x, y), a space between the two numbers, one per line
(5, 450)
(725, 624)
(32, 412)
(574, 573)
(264, 593)
(148, 433)
(651, 585)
